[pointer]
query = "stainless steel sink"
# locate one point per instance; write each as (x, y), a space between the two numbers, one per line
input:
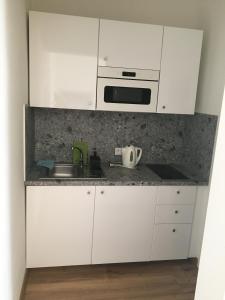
(71, 171)
(62, 170)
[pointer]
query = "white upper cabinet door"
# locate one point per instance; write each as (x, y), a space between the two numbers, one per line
(130, 45)
(179, 70)
(59, 225)
(63, 61)
(123, 224)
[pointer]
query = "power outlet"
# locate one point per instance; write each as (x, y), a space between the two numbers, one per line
(118, 151)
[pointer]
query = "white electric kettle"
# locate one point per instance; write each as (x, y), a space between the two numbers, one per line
(131, 156)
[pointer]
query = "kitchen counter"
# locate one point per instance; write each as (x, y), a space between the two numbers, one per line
(119, 176)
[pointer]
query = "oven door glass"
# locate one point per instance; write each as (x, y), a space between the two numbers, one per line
(127, 95)
(115, 94)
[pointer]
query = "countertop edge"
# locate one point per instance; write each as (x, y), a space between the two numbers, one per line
(113, 183)
(141, 176)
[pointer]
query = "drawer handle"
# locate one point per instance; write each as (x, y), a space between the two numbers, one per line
(176, 211)
(174, 230)
(89, 193)
(178, 192)
(102, 192)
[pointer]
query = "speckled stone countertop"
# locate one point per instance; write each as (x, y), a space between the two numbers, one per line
(119, 176)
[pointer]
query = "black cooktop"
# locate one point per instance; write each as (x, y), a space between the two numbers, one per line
(167, 172)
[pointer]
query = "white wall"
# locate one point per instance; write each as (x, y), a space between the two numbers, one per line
(210, 93)
(14, 93)
(211, 277)
(173, 12)
(212, 73)
(4, 211)
(199, 221)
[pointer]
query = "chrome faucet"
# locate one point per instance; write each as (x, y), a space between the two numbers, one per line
(81, 156)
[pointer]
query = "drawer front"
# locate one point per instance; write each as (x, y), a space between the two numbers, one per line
(171, 241)
(174, 213)
(176, 195)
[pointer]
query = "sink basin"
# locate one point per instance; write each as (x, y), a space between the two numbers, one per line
(167, 172)
(71, 171)
(62, 170)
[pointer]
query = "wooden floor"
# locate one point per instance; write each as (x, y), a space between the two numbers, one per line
(153, 281)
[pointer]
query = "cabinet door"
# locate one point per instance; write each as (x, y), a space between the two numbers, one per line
(179, 70)
(171, 241)
(176, 195)
(174, 213)
(63, 61)
(123, 224)
(59, 225)
(130, 45)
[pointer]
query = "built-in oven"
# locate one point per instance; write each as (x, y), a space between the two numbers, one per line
(127, 89)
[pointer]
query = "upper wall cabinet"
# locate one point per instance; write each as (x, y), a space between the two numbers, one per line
(130, 45)
(181, 54)
(66, 50)
(63, 61)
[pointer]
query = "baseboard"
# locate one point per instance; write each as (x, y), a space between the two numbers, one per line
(22, 293)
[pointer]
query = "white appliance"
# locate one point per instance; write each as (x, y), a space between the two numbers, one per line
(131, 156)
(121, 89)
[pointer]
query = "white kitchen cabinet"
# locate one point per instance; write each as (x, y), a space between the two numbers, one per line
(130, 45)
(123, 224)
(181, 54)
(173, 222)
(171, 241)
(174, 213)
(59, 223)
(63, 61)
(176, 195)
(65, 51)
(78, 225)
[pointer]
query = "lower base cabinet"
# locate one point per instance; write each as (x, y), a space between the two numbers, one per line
(59, 222)
(123, 224)
(78, 225)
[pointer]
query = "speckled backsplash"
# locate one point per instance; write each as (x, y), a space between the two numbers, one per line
(199, 136)
(186, 140)
(30, 142)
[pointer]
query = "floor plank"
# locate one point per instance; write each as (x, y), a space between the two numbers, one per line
(173, 280)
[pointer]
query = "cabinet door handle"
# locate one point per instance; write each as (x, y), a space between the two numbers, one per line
(164, 107)
(176, 211)
(89, 192)
(105, 58)
(102, 192)
(174, 230)
(178, 192)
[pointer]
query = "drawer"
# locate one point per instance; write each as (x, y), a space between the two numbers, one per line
(171, 241)
(174, 213)
(176, 195)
